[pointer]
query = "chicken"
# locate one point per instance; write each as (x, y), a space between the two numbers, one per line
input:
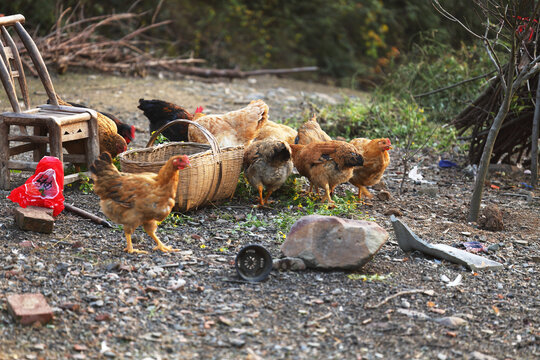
(123, 129)
(161, 112)
(267, 163)
(326, 164)
(277, 131)
(310, 132)
(376, 160)
(234, 128)
(137, 199)
(109, 139)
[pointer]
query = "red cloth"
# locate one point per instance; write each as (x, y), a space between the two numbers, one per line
(45, 188)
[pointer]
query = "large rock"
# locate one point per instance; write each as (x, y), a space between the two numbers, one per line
(330, 242)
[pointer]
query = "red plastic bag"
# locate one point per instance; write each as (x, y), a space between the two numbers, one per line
(45, 188)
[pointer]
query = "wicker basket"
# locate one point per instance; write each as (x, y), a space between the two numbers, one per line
(213, 174)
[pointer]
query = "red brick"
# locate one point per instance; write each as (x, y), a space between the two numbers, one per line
(34, 218)
(29, 308)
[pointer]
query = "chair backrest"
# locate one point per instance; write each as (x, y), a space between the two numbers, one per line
(11, 64)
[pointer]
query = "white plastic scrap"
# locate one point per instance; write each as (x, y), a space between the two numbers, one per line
(415, 175)
(456, 282)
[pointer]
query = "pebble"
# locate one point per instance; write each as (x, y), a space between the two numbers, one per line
(98, 303)
(38, 347)
(237, 342)
(493, 247)
(405, 304)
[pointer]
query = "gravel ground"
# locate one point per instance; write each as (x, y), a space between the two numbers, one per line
(192, 305)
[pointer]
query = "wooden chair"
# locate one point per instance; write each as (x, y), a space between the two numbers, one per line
(52, 125)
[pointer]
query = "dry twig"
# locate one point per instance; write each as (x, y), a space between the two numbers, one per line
(401, 293)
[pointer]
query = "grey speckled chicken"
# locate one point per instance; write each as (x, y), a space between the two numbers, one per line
(267, 163)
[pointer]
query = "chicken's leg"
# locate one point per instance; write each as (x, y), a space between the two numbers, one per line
(363, 191)
(328, 198)
(150, 228)
(129, 247)
(268, 193)
(260, 188)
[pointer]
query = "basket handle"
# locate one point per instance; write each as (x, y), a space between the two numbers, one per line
(211, 139)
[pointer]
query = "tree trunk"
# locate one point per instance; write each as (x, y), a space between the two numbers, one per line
(534, 138)
(483, 167)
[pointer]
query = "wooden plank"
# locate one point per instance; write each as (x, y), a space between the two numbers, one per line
(20, 149)
(29, 138)
(22, 165)
(71, 178)
(75, 158)
(32, 118)
(70, 109)
(12, 19)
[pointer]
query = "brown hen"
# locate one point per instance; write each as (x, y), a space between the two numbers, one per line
(137, 199)
(326, 164)
(267, 163)
(310, 132)
(376, 160)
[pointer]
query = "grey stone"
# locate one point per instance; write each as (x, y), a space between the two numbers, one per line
(330, 242)
(289, 263)
(409, 241)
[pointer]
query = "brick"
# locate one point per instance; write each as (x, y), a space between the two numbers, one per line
(29, 308)
(34, 218)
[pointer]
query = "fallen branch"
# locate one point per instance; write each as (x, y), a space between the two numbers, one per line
(230, 73)
(87, 215)
(401, 293)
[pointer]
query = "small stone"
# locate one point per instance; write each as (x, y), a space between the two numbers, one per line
(493, 247)
(405, 304)
(237, 342)
(29, 308)
(476, 355)
(176, 284)
(289, 263)
(109, 354)
(103, 317)
(38, 347)
(451, 321)
(78, 347)
(98, 303)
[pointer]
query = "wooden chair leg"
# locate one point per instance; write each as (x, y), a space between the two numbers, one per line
(41, 149)
(4, 156)
(55, 141)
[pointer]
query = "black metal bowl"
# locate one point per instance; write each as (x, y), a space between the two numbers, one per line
(253, 263)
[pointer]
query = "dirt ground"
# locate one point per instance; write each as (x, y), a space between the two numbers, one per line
(192, 305)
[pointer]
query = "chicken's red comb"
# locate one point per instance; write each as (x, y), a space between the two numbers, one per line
(199, 109)
(388, 139)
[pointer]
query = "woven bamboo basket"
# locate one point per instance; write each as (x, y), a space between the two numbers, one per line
(212, 176)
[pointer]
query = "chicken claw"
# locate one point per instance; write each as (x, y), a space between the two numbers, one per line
(164, 248)
(129, 248)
